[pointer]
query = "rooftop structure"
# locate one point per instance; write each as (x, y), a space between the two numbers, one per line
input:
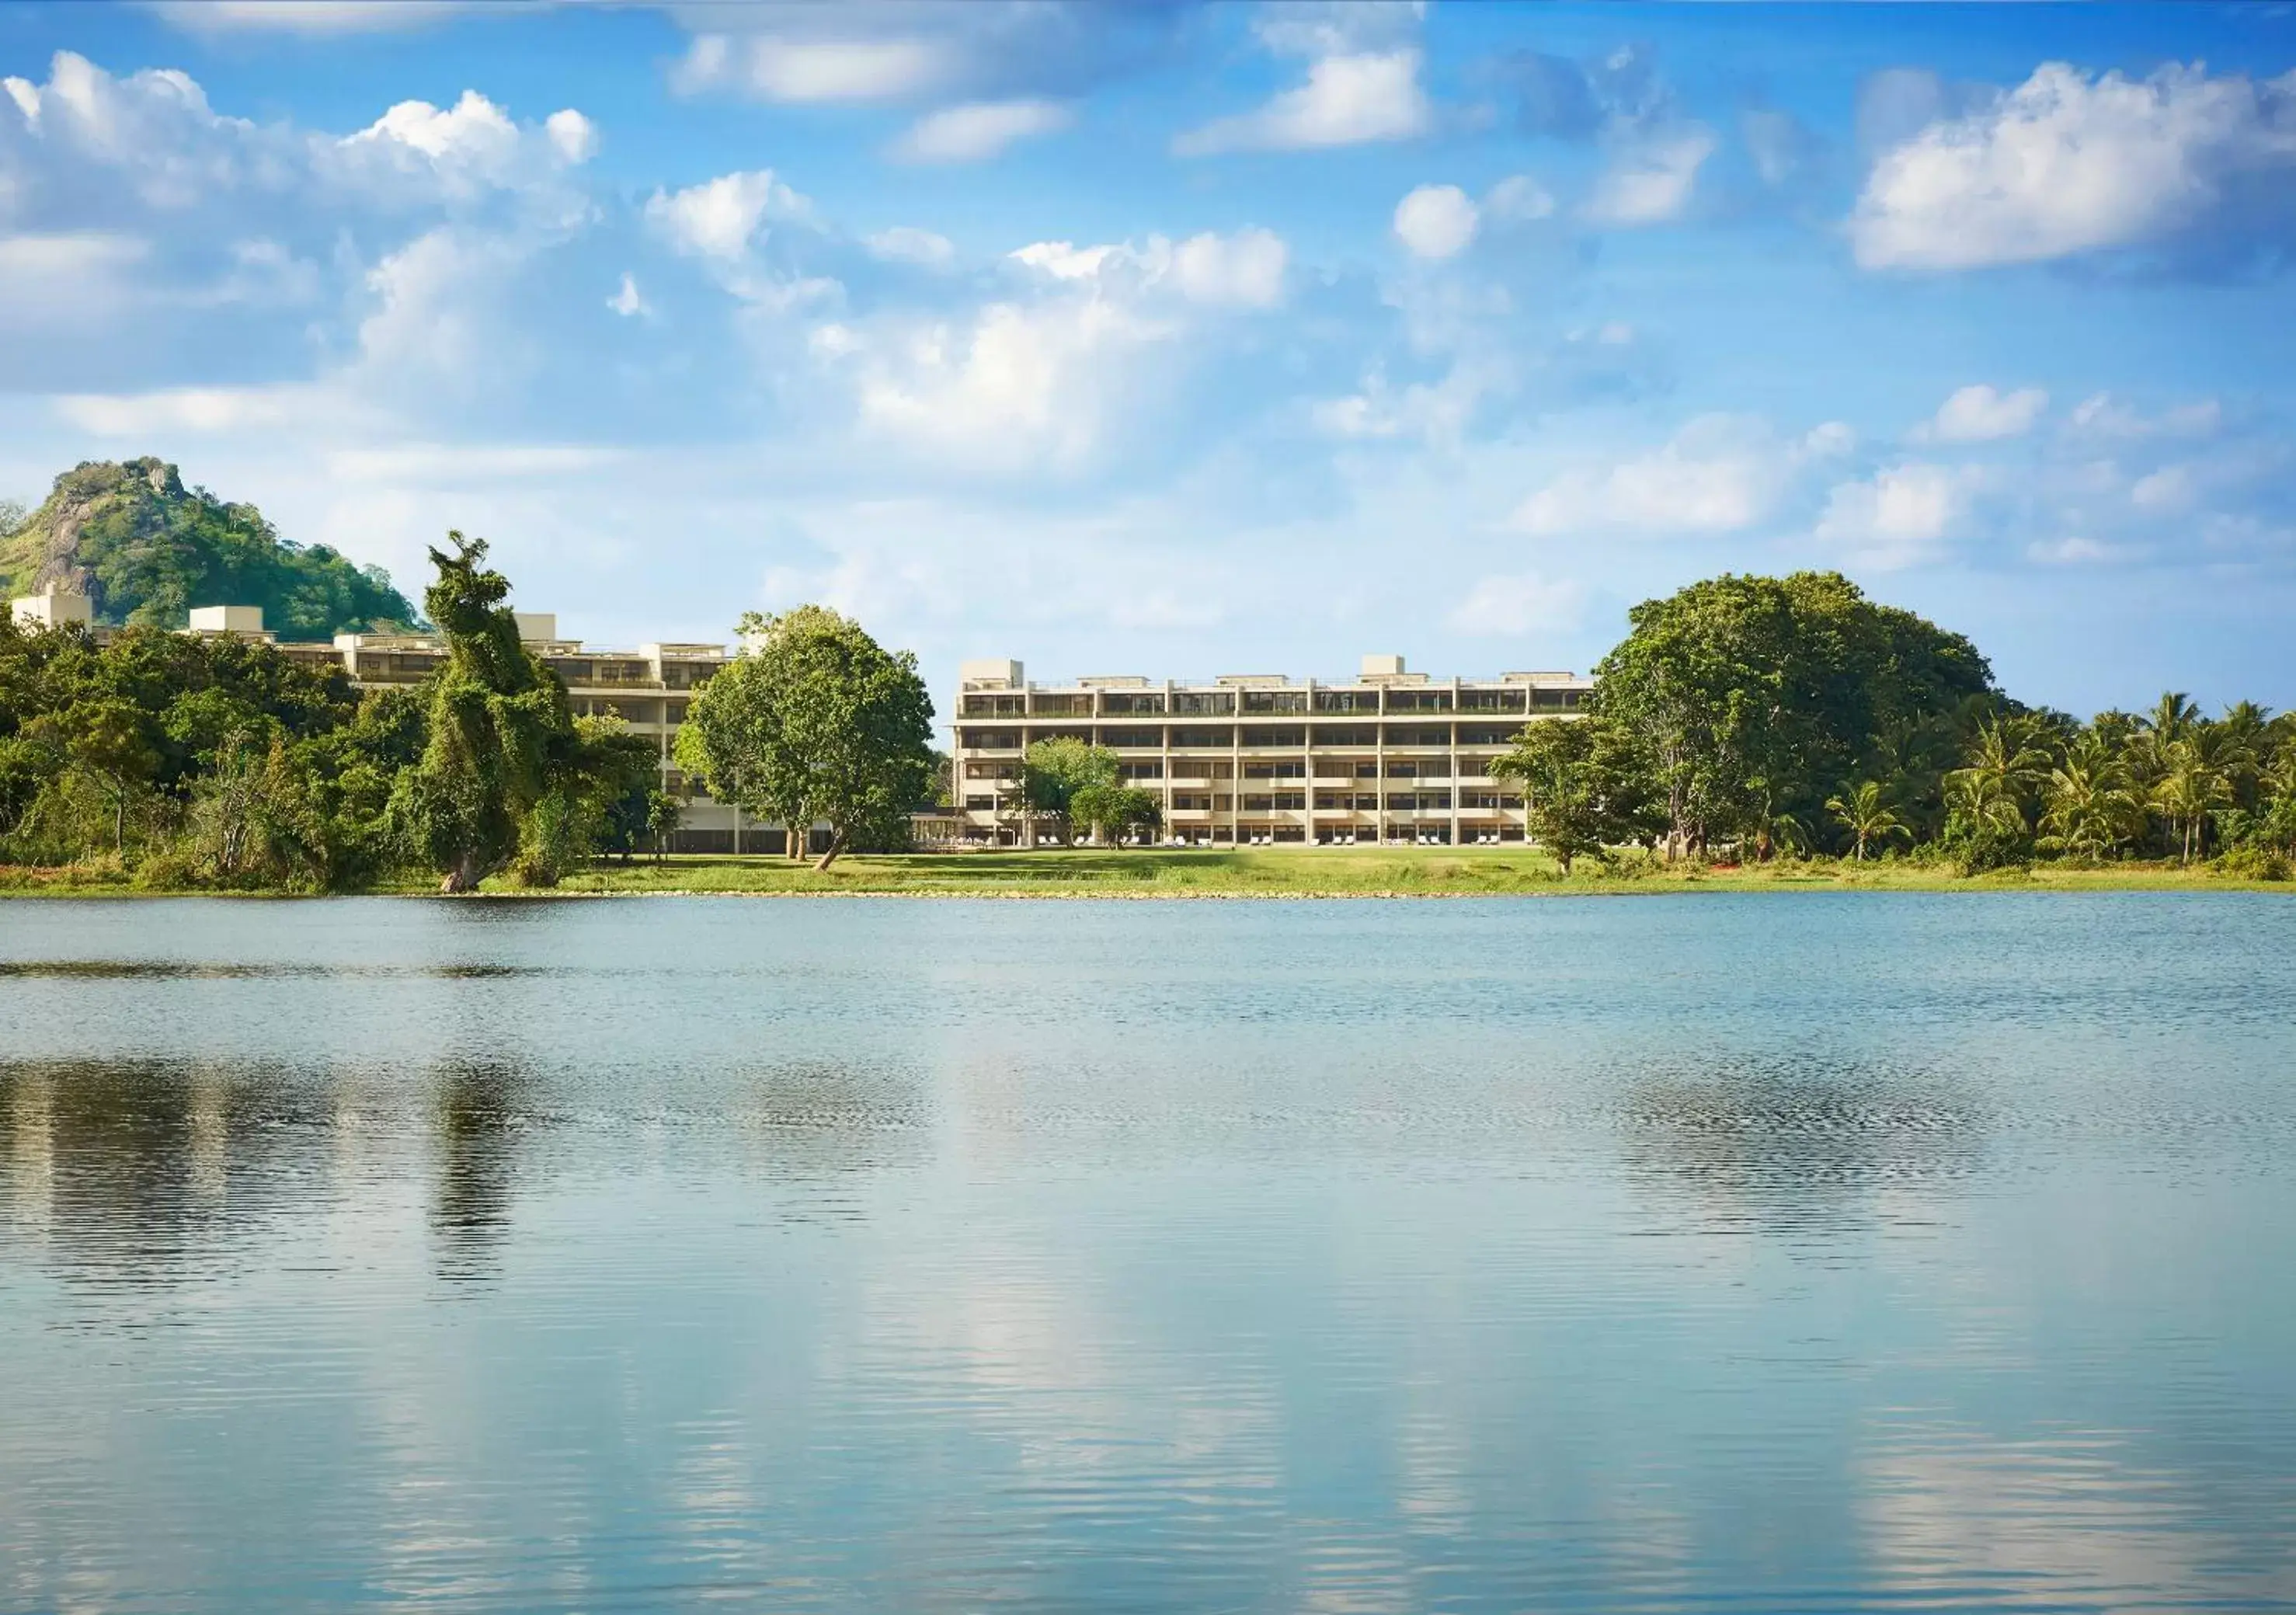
(54, 609)
(1261, 759)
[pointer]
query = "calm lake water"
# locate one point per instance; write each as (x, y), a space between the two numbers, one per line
(1775, 1252)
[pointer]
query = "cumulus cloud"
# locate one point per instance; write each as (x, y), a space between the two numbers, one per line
(1244, 270)
(2067, 164)
(978, 129)
(1436, 221)
(1518, 198)
(1651, 181)
(1980, 415)
(720, 218)
(1345, 100)
(1016, 386)
(908, 245)
(1900, 515)
(627, 301)
(1513, 605)
(1719, 474)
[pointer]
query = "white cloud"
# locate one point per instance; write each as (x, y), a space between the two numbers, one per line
(2065, 164)
(1063, 260)
(1980, 415)
(2171, 489)
(1436, 221)
(186, 409)
(817, 70)
(69, 256)
(1719, 474)
(1900, 515)
(907, 244)
(627, 301)
(1019, 386)
(2102, 416)
(719, 218)
(1243, 271)
(573, 136)
(1651, 180)
(1346, 101)
(2076, 552)
(978, 129)
(1524, 603)
(1518, 198)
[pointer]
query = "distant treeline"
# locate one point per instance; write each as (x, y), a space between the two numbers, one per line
(1752, 718)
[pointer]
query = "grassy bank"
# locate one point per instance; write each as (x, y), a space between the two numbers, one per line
(1291, 872)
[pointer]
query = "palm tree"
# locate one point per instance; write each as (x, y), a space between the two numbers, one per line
(2172, 716)
(1866, 817)
(2190, 784)
(1990, 791)
(2090, 810)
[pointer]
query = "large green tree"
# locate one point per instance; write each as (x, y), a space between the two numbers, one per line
(506, 773)
(815, 722)
(1756, 700)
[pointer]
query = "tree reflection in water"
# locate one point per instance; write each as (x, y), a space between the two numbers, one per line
(480, 1112)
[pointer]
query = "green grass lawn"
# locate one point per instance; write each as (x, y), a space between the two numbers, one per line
(1250, 873)
(1316, 872)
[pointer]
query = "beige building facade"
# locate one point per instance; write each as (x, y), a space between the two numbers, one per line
(1388, 758)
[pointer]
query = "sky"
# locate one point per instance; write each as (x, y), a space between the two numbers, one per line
(1180, 339)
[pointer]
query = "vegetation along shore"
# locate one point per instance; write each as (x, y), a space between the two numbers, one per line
(1753, 733)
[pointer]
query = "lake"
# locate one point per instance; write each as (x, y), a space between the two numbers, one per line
(1818, 1251)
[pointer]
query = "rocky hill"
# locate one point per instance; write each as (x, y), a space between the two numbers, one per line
(146, 549)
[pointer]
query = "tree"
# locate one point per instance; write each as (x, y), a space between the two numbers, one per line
(1556, 762)
(505, 772)
(815, 721)
(1755, 698)
(1867, 817)
(105, 741)
(1115, 811)
(1055, 772)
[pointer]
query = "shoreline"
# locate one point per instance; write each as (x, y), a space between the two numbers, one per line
(1160, 875)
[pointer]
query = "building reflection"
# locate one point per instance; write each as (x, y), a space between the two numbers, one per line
(139, 1169)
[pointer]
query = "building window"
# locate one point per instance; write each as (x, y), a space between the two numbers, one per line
(1204, 737)
(1275, 737)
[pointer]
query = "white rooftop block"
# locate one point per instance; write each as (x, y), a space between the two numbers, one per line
(227, 619)
(990, 673)
(1381, 667)
(533, 625)
(53, 608)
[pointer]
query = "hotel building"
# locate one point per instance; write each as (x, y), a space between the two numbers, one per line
(1388, 756)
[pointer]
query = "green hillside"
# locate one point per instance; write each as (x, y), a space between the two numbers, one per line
(146, 549)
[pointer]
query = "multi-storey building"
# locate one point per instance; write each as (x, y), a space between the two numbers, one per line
(647, 688)
(1390, 755)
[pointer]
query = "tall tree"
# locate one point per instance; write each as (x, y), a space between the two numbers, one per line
(1756, 698)
(505, 772)
(814, 721)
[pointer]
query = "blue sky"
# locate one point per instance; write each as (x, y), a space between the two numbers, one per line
(1189, 339)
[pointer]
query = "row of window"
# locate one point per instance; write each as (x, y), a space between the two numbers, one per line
(1326, 801)
(1226, 703)
(1186, 739)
